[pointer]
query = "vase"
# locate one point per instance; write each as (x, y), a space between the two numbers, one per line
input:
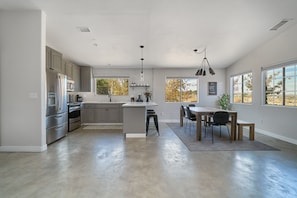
(147, 99)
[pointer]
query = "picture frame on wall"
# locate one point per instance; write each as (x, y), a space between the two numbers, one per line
(212, 88)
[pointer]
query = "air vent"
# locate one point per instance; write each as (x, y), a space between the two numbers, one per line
(281, 23)
(84, 29)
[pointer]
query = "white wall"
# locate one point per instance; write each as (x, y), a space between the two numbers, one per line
(279, 122)
(22, 65)
(156, 79)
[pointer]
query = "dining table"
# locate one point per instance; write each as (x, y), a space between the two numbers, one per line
(206, 111)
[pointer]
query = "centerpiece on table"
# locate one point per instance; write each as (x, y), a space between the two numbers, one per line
(148, 95)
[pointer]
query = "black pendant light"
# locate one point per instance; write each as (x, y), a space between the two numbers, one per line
(204, 65)
(142, 59)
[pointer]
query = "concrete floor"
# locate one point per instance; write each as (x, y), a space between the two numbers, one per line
(91, 164)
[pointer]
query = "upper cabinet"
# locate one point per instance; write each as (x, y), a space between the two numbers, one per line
(69, 70)
(76, 77)
(72, 72)
(86, 77)
(54, 60)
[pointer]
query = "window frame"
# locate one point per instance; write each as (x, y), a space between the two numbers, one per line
(281, 67)
(242, 88)
(181, 95)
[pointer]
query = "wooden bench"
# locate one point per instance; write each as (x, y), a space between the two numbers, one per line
(241, 124)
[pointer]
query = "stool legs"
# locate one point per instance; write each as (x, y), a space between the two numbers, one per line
(155, 121)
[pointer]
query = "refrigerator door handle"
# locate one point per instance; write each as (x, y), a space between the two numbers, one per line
(59, 93)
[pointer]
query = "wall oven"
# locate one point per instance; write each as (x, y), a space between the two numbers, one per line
(74, 121)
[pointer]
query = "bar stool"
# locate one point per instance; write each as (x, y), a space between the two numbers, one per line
(151, 114)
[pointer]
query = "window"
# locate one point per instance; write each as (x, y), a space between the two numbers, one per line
(112, 86)
(242, 88)
(181, 90)
(280, 85)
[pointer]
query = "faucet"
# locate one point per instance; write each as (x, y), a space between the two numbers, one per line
(109, 96)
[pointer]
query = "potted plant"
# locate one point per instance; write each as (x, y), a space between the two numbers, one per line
(224, 101)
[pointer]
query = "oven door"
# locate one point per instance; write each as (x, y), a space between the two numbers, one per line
(73, 118)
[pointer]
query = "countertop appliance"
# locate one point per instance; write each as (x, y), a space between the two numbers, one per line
(74, 121)
(56, 111)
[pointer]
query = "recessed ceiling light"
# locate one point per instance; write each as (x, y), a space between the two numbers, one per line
(84, 29)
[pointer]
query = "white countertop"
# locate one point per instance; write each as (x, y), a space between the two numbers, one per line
(139, 104)
(100, 102)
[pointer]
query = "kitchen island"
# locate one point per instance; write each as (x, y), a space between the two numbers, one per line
(134, 118)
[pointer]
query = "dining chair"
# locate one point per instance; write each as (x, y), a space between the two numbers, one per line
(219, 118)
(190, 115)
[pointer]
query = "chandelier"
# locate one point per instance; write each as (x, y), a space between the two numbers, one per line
(204, 65)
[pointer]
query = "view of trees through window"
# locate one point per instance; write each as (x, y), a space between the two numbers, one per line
(280, 85)
(242, 88)
(112, 86)
(181, 90)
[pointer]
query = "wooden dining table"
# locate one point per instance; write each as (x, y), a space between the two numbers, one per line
(205, 111)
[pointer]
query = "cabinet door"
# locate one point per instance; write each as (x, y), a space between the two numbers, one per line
(114, 115)
(56, 60)
(76, 77)
(48, 58)
(101, 115)
(88, 116)
(69, 70)
(86, 79)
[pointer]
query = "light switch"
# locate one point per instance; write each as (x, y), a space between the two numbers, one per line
(33, 95)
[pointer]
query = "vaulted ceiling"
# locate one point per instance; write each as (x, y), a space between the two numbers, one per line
(169, 29)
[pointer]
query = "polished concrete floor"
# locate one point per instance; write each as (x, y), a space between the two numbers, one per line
(88, 163)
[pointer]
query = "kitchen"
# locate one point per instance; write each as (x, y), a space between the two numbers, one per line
(29, 68)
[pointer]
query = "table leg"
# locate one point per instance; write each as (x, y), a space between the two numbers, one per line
(233, 126)
(198, 127)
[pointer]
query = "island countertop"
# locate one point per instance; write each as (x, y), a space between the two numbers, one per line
(139, 104)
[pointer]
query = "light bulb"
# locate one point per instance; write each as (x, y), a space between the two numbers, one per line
(141, 76)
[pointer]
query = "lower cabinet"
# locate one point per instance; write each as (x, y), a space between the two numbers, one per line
(102, 113)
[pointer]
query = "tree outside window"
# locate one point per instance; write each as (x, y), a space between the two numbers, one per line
(112, 86)
(181, 90)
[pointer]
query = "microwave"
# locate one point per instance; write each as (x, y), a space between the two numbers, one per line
(70, 85)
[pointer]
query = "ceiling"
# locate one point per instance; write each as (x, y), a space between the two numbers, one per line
(169, 29)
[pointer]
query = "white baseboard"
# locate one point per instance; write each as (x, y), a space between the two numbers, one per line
(135, 135)
(23, 148)
(280, 137)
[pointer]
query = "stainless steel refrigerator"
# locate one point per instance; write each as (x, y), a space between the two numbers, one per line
(56, 111)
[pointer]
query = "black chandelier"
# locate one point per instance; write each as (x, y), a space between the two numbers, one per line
(204, 65)
(141, 72)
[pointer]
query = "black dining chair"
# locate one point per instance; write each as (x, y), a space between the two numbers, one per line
(219, 118)
(189, 115)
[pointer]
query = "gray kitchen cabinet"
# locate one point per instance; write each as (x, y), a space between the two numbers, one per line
(86, 78)
(102, 113)
(54, 60)
(76, 77)
(72, 72)
(69, 70)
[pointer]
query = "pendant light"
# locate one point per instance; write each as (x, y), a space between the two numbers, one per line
(142, 59)
(204, 65)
